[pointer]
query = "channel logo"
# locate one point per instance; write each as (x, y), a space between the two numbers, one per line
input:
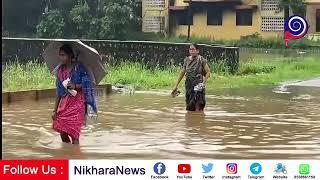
(295, 27)
(232, 168)
(184, 168)
(207, 168)
(159, 168)
(255, 168)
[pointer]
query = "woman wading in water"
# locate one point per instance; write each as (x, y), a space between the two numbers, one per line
(197, 72)
(70, 108)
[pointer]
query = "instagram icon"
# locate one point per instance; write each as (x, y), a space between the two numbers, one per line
(232, 168)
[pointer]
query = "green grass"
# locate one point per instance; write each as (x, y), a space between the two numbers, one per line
(260, 72)
(33, 75)
(252, 41)
(141, 77)
(252, 73)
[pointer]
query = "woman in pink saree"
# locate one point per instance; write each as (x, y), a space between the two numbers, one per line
(70, 111)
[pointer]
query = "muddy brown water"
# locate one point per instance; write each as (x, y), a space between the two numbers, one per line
(266, 123)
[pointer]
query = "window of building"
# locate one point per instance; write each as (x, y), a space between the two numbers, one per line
(272, 24)
(155, 3)
(214, 17)
(184, 18)
(269, 5)
(154, 23)
(244, 17)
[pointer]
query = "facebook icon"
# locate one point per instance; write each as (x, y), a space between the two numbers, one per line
(159, 168)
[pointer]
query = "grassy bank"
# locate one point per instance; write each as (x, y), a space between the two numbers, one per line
(251, 41)
(255, 72)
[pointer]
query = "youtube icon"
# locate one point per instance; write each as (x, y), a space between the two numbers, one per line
(184, 168)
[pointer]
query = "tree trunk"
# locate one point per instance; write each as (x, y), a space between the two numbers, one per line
(286, 12)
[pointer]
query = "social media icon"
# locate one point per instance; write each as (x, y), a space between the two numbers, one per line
(184, 168)
(232, 168)
(304, 169)
(280, 168)
(159, 168)
(255, 168)
(207, 168)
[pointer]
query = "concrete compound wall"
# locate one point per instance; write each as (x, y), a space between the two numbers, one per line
(9, 97)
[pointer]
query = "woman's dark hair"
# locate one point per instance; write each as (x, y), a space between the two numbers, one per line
(195, 45)
(67, 49)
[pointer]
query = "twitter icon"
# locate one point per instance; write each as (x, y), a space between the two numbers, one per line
(207, 168)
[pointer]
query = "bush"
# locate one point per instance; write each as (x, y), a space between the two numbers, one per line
(81, 19)
(52, 25)
(112, 19)
(252, 68)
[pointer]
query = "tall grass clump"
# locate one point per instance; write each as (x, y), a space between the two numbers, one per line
(140, 76)
(31, 75)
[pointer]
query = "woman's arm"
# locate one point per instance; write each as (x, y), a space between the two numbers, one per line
(74, 86)
(57, 101)
(208, 73)
(81, 72)
(78, 86)
(56, 105)
(181, 75)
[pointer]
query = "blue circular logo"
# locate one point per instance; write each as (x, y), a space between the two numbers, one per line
(256, 168)
(159, 168)
(296, 26)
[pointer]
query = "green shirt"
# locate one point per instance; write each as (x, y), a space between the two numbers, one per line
(194, 68)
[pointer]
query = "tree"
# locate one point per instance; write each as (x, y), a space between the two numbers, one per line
(90, 19)
(52, 25)
(116, 20)
(103, 19)
(81, 18)
(297, 7)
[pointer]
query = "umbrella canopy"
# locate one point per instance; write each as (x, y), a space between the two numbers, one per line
(85, 54)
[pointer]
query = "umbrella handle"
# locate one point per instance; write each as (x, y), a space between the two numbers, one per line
(77, 52)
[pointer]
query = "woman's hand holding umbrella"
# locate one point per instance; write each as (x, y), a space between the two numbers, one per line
(71, 86)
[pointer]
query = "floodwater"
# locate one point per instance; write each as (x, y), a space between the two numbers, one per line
(266, 123)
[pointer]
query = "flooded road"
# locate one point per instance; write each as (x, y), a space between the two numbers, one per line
(258, 124)
(308, 83)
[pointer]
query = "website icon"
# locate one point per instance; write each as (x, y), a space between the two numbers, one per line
(280, 168)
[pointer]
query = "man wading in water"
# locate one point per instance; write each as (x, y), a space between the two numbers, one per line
(197, 72)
